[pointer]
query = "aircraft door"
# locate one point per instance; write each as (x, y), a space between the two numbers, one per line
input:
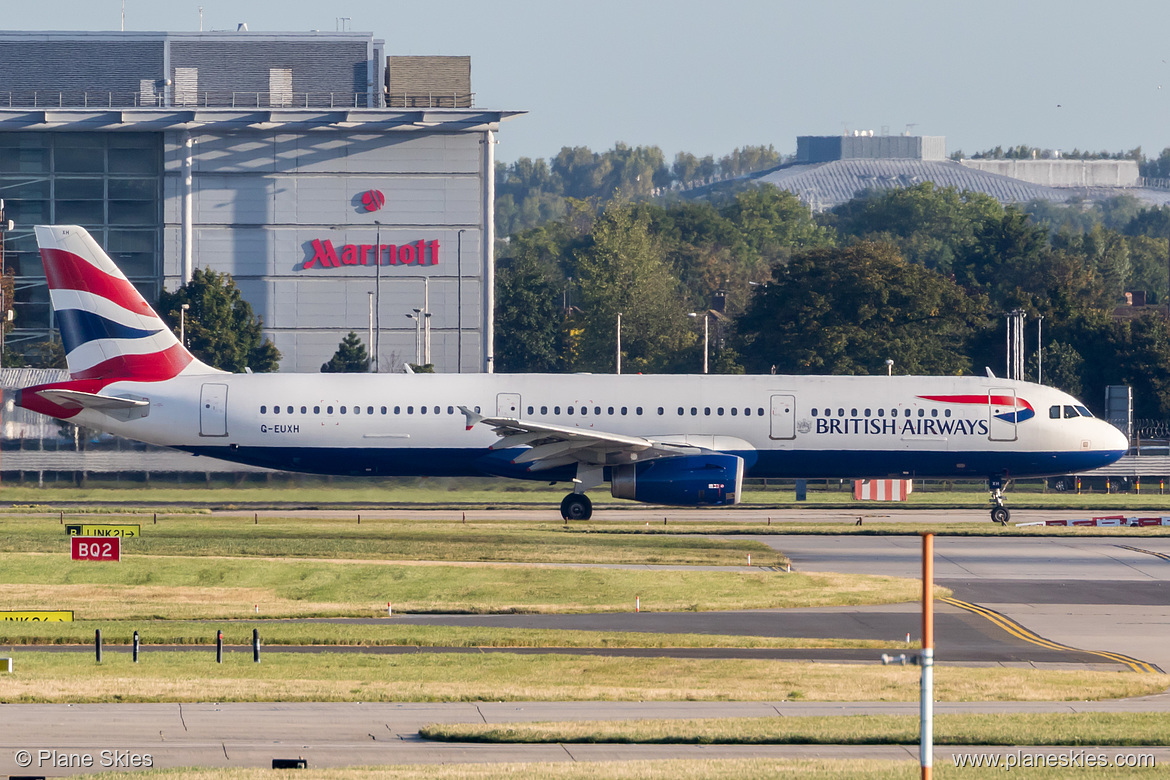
(783, 417)
(508, 405)
(213, 410)
(1001, 414)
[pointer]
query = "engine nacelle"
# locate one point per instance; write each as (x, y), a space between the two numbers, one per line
(686, 480)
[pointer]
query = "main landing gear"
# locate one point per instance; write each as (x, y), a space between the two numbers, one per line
(576, 506)
(999, 512)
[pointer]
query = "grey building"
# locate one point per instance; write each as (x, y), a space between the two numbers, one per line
(275, 157)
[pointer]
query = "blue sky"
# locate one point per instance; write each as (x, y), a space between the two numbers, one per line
(706, 77)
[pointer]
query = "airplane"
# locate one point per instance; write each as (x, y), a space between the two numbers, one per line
(676, 440)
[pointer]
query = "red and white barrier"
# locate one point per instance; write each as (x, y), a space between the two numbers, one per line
(1113, 521)
(882, 489)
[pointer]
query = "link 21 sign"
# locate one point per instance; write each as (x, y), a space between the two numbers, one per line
(91, 548)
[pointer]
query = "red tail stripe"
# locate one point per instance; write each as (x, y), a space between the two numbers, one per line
(67, 271)
(151, 367)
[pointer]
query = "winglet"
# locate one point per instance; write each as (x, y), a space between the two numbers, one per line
(472, 417)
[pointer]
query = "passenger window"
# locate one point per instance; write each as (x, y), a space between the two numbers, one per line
(477, 411)
(544, 410)
(661, 410)
(438, 410)
(814, 411)
(735, 411)
(719, 411)
(276, 410)
(556, 410)
(316, 410)
(694, 411)
(867, 412)
(369, 410)
(304, 410)
(263, 410)
(1054, 412)
(584, 410)
(840, 412)
(422, 410)
(611, 410)
(1069, 412)
(907, 412)
(451, 409)
(397, 410)
(569, 410)
(707, 411)
(946, 412)
(637, 410)
(530, 410)
(760, 412)
(383, 410)
(881, 413)
(410, 410)
(357, 410)
(934, 412)
(747, 412)
(328, 410)
(921, 412)
(852, 412)
(597, 410)
(343, 410)
(680, 411)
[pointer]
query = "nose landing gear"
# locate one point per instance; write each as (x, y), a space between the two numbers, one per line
(576, 506)
(999, 512)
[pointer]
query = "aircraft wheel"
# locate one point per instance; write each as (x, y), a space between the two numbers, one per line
(576, 506)
(1001, 515)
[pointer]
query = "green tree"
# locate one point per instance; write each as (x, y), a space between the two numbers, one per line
(351, 357)
(622, 270)
(529, 313)
(221, 329)
(846, 310)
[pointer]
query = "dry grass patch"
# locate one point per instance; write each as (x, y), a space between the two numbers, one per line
(194, 676)
(1112, 729)
(142, 586)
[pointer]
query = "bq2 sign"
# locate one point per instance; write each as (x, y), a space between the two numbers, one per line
(107, 548)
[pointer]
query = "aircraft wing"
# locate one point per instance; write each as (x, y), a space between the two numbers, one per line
(551, 446)
(72, 399)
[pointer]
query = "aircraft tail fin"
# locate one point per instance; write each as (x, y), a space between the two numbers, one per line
(108, 329)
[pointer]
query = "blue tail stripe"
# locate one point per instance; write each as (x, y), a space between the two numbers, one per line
(80, 327)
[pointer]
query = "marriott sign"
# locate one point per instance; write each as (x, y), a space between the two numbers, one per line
(326, 255)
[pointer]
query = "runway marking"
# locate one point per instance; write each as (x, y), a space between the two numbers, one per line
(1163, 556)
(1018, 631)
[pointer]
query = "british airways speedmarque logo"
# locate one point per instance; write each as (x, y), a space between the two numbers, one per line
(1017, 410)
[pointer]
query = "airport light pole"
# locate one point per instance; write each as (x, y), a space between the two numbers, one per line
(377, 345)
(706, 337)
(619, 342)
(370, 367)
(183, 323)
(418, 318)
(459, 306)
(926, 705)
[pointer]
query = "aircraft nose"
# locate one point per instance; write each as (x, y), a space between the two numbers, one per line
(1115, 440)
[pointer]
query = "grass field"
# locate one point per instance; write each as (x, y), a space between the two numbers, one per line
(385, 633)
(1112, 729)
(481, 492)
(200, 587)
(195, 676)
(712, 769)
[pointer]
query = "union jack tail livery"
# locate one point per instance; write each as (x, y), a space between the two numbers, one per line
(109, 331)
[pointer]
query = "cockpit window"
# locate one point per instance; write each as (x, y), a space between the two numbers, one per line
(1054, 412)
(1070, 412)
(1084, 412)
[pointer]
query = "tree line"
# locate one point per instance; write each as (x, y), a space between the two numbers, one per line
(922, 276)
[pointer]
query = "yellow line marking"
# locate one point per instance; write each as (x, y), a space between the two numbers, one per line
(1163, 556)
(1018, 631)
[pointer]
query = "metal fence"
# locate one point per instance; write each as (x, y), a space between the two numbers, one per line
(200, 99)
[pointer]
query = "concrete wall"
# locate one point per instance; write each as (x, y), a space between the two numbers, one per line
(1064, 173)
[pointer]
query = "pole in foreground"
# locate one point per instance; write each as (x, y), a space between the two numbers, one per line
(256, 645)
(135, 647)
(926, 748)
